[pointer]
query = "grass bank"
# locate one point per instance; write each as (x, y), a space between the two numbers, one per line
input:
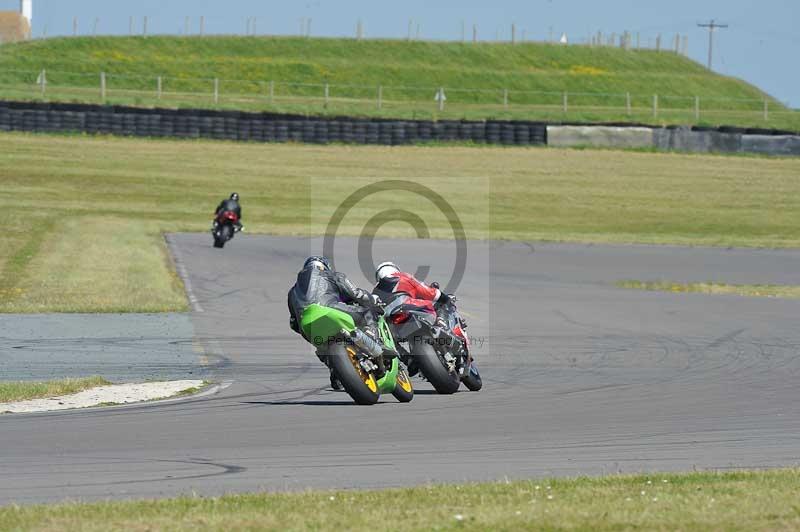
(475, 76)
(23, 390)
(92, 210)
(698, 501)
(761, 290)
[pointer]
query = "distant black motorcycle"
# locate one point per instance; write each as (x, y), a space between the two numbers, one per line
(225, 226)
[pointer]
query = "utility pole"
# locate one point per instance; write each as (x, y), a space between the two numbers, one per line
(711, 25)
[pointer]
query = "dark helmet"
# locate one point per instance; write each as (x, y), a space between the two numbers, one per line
(235, 196)
(318, 262)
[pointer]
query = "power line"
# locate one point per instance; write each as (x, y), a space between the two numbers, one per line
(711, 25)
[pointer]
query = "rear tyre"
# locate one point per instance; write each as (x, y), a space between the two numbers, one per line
(472, 380)
(434, 370)
(360, 385)
(218, 242)
(403, 391)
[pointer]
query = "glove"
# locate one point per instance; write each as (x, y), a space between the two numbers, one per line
(369, 300)
(446, 298)
(435, 285)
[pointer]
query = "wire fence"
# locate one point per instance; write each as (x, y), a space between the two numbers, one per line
(378, 100)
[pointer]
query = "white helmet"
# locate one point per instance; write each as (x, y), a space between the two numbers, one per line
(385, 269)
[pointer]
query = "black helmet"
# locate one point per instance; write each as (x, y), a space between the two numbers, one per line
(320, 262)
(235, 196)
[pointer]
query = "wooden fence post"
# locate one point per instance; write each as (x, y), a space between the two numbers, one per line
(441, 98)
(327, 95)
(158, 87)
(565, 103)
(103, 87)
(697, 108)
(43, 82)
(380, 96)
(216, 90)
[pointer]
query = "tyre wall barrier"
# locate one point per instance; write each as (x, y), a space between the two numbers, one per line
(697, 139)
(771, 144)
(272, 127)
(684, 139)
(259, 127)
(600, 136)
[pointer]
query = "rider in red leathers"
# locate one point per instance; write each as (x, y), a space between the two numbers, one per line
(403, 288)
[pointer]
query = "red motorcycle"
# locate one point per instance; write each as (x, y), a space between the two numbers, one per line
(434, 343)
(226, 224)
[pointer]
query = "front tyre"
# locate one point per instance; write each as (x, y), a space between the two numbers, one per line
(359, 384)
(472, 380)
(434, 369)
(403, 390)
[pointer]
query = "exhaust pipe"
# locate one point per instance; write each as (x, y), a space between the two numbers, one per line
(365, 342)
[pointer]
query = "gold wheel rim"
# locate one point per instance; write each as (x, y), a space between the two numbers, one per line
(368, 379)
(404, 381)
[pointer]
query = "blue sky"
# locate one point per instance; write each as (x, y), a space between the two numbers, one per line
(762, 44)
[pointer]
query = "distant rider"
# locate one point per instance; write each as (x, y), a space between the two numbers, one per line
(231, 204)
(318, 283)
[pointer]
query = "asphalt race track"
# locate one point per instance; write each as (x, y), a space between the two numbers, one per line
(579, 378)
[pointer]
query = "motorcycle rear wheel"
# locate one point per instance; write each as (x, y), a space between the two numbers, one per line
(358, 384)
(444, 381)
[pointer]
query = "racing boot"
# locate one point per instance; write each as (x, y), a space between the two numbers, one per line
(335, 383)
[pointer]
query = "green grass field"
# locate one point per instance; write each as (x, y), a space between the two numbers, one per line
(764, 500)
(11, 391)
(92, 210)
(710, 287)
(474, 75)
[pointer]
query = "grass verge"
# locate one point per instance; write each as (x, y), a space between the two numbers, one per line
(762, 500)
(23, 391)
(756, 290)
(95, 207)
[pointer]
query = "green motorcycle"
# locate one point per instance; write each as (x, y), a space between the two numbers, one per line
(357, 360)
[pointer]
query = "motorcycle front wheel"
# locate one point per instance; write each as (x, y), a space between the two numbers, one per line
(472, 380)
(222, 235)
(359, 384)
(403, 390)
